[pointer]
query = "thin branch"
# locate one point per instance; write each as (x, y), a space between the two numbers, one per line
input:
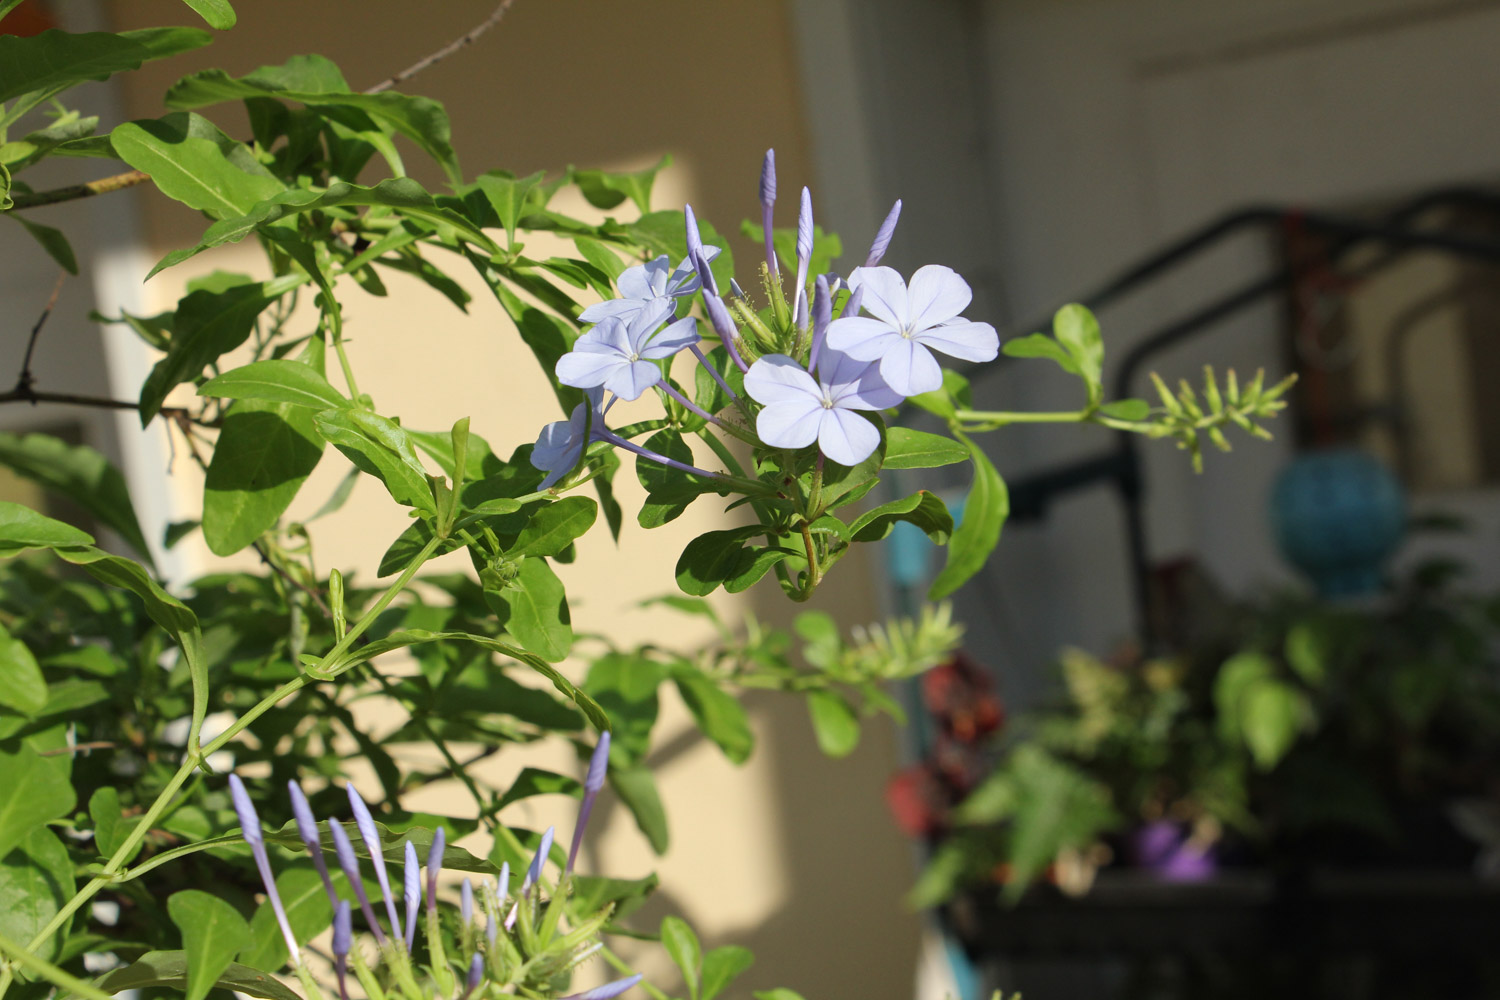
(83, 748)
(444, 52)
(26, 379)
(73, 192)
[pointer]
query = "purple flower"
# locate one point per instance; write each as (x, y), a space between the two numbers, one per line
(799, 409)
(598, 768)
(250, 829)
(606, 992)
(767, 204)
(804, 256)
(476, 975)
(642, 285)
(534, 873)
(908, 324)
(617, 353)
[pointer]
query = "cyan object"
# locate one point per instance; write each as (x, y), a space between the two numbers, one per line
(1338, 515)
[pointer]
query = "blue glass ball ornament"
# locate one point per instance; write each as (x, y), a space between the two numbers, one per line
(1338, 516)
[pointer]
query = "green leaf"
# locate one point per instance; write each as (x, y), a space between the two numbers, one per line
(33, 790)
(985, 510)
(535, 781)
(110, 828)
(714, 557)
(923, 509)
(834, 722)
(52, 241)
(81, 474)
(189, 166)
(1306, 652)
(264, 454)
(777, 994)
(22, 528)
(637, 789)
(213, 933)
(721, 967)
(909, 449)
(1272, 713)
(539, 610)
(219, 15)
(1039, 345)
(1078, 331)
(1058, 807)
(683, 947)
(170, 968)
(719, 715)
(592, 893)
(1236, 677)
(403, 194)
(308, 911)
(207, 324)
(606, 190)
(278, 381)
(317, 82)
(599, 254)
(507, 195)
(625, 687)
(171, 41)
(36, 878)
(22, 687)
(382, 448)
(54, 60)
(553, 527)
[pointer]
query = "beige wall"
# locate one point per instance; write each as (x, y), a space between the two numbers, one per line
(792, 854)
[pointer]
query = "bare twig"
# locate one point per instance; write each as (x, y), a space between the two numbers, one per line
(444, 52)
(26, 379)
(73, 192)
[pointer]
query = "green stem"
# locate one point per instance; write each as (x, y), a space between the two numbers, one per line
(1000, 418)
(623, 966)
(23, 957)
(330, 661)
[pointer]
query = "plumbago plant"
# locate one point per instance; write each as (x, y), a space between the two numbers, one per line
(123, 704)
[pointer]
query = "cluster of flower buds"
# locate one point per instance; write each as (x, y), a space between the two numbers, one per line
(521, 945)
(843, 344)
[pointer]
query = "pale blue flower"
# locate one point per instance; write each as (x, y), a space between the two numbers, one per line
(908, 323)
(618, 353)
(799, 409)
(560, 445)
(643, 284)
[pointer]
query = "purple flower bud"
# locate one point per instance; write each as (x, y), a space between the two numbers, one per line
(245, 809)
(349, 862)
(606, 992)
(476, 975)
(534, 873)
(694, 239)
(492, 929)
(768, 179)
(343, 929)
(851, 304)
(804, 257)
(804, 233)
(307, 829)
(412, 891)
(371, 837)
(343, 935)
(250, 829)
(598, 769)
(434, 865)
(502, 881)
(735, 289)
(883, 236)
(466, 902)
(822, 315)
